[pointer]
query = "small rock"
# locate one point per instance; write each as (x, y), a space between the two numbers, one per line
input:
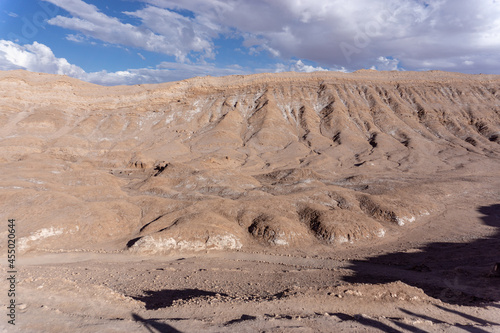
(353, 292)
(495, 272)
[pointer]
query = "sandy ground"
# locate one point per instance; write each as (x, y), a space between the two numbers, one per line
(322, 202)
(434, 278)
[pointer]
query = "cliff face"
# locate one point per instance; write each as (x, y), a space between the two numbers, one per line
(224, 163)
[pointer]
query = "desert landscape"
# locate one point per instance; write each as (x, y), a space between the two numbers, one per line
(289, 202)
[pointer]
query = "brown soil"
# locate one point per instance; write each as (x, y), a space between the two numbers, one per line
(273, 203)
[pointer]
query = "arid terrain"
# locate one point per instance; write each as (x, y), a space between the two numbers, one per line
(322, 202)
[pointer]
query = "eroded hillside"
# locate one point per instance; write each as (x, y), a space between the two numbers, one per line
(270, 160)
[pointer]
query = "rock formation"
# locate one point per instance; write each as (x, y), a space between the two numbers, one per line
(267, 160)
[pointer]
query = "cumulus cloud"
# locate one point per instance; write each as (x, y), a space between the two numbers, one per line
(38, 57)
(163, 31)
(454, 35)
(299, 66)
(435, 34)
(35, 57)
(181, 33)
(386, 64)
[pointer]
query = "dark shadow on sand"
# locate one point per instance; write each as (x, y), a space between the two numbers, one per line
(154, 326)
(467, 328)
(372, 323)
(367, 322)
(455, 273)
(243, 318)
(425, 317)
(164, 298)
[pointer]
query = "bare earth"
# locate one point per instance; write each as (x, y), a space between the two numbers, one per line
(322, 202)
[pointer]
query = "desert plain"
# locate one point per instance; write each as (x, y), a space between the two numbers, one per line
(321, 202)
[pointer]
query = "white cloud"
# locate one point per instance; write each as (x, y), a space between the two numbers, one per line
(353, 34)
(182, 33)
(298, 66)
(386, 64)
(11, 14)
(38, 57)
(163, 31)
(76, 38)
(35, 57)
(301, 67)
(457, 35)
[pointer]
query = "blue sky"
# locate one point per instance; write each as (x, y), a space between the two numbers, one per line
(149, 41)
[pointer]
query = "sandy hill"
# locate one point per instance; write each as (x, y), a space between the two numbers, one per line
(267, 160)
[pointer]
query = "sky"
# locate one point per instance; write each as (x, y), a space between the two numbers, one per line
(115, 42)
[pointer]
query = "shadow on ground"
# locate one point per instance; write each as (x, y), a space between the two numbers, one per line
(455, 273)
(372, 323)
(398, 325)
(154, 325)
(154, 300)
